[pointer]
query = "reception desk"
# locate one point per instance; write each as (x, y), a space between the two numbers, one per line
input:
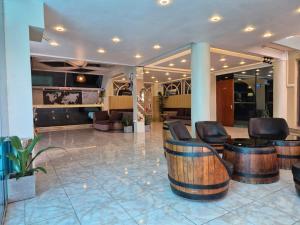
(62, 115)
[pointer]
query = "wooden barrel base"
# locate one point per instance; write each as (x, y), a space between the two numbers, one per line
(287, 156)
(198, 197)
(255, 179)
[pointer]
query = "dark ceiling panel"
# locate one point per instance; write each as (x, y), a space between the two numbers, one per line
(57, 64)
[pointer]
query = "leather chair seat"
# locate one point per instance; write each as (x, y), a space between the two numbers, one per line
(217, 139)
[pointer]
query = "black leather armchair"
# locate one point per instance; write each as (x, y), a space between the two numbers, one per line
(268, 128)
(213, 133)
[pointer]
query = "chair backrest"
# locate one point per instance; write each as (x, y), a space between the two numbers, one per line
(101, 115)
(268, 128)
(179, 131)
(210, 128)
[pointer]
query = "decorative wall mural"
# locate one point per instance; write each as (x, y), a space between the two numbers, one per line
(62, 97)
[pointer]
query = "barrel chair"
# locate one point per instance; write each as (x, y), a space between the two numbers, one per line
(213, 133)
(277, 130)
(296, 175)
(195, 169)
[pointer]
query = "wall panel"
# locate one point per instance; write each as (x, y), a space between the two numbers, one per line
(120, 102)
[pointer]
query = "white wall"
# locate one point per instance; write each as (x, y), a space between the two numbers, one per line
(19, 16)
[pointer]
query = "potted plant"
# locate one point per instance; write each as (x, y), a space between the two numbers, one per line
(21, 183)
(148, 120)
(127, 123)
(161, 101)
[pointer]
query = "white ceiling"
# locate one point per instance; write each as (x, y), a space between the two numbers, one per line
(91, 24)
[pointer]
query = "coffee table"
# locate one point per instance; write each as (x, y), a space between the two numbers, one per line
(254, 161)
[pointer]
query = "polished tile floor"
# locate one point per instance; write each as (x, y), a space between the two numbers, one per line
(115, 178)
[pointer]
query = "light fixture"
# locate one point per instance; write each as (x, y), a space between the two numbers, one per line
(212, 69)
(167, 73)
(257, 70)
(157, 46)
(59, 28)
(171, 64)
(169, 78)
(53, 43)
(298, 10)
(183, 61)
(242, 62)
(225, 66)
(156, 81)
(184, 75)
(249, 28)
(249, 87)
(215, 18)
(267, 34)
(152, 77)
(239, 79)
(123, 79)
(223, 59)
(269, 75)
(80, 78)
(147, 71)
(101, 50)
(138, 56)
(271, 71)
(116, 39)
(244, 72)
(164, 2)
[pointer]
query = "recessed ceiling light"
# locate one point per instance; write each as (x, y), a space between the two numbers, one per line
(298, 10)
(157, 46)
(147, 71)
(249, 28)
(169, 78)
(183, 61)
(249, 87)
(257, 70)
(239, 79)
(184, 75)
(116, 39)
(53, 43)
(243, 72)
(215, 18)
(171, 64)
(59, 28)
(156, 81)
(267, 34)
(271, 71)
(225, 66)
(212, 69)
(123, 79)
(167, 73)
(222, 59)
(269, 75)
(242, 62)
(152, 77)
(257, 73)
(138, 56)
(164, 2)
(101, 50)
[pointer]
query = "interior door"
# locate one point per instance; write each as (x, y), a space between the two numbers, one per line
(225, 102)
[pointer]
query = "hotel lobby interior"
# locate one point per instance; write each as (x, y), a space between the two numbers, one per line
(149, 112)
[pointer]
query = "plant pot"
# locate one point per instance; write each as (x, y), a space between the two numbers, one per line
(147, 128)
(21, 189)
(128, 129)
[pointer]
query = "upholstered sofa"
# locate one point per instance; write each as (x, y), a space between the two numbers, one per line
(183, 114)
(104, 122)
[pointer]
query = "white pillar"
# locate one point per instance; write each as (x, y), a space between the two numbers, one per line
(213, 97)
(280, 89)
(137, 77)
(22, 19)
(201, 83)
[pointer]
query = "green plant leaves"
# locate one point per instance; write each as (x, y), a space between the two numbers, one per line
(16, 142)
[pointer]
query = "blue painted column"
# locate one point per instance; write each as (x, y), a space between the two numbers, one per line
(201, 83)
